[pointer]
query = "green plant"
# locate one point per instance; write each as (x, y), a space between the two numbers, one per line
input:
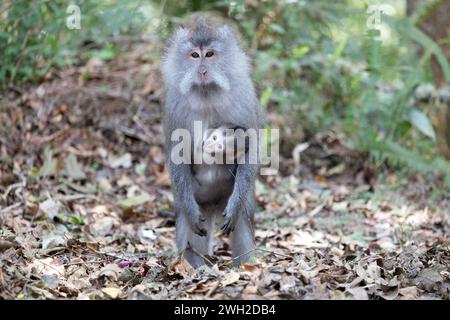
(316, 61)
(388, 125)
(34, 35)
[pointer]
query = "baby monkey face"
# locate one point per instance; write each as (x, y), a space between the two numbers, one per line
(217, 142)
(224, 142)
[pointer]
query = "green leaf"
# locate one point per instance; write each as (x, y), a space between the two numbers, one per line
(265, 97)
(6, 233)
(105, 54)
(284, 222)
(340, 48)
(421, 122)
(140, 168)
(79, 220)
(134, 201)
(408, 29)
(299, 52)
(277, 28)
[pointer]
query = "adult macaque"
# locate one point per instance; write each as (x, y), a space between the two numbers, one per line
(207, 79)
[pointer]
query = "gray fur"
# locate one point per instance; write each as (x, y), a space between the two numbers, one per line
(206, 193)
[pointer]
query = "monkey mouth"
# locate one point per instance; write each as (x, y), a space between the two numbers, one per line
(209, 149)
(204, 81)
(205, 86)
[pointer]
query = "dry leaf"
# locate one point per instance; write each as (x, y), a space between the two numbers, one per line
(409, 293)
(113, 293)
(230, 278)
(111, 271)
(358, 293)
(184, 268)
(48, 266)
(249, 267)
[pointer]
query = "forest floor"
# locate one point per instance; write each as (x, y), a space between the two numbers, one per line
(85, 206)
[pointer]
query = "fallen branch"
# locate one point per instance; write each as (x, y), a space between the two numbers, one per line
(12, 207)
(275, 253)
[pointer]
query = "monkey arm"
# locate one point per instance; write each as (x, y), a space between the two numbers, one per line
(181, 174)
(184, 200)
(242, 197)
(239, 199)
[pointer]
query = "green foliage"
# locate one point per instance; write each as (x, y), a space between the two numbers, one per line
(34, 35)
(317, 61)
(389, 123)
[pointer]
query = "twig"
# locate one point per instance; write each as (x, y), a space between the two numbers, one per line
(136, 256)
(276, 253)
(83, 262)
(213, 289)
(11, 207)
(258, 249)
(201, 256)
(10, 188)
(73, 197)
(241, 255)
(46, 139)
(317, 209)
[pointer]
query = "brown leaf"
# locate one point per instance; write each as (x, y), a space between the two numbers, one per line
(249, 267)
(184, 268)
(162, 179)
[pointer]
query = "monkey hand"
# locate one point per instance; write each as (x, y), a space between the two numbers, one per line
(229, 221)
(196, 220)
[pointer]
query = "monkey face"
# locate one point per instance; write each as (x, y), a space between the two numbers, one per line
(214, 144)
(204, 67)
(204, 58)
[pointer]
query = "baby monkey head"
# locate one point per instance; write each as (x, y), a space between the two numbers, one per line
(216, 142)
(231, 143)
(203, 58)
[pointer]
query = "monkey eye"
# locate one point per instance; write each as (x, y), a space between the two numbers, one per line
(209, 54)
(214, 138)
(195, 55)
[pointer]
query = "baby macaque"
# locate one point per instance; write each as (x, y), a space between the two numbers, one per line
(231, 146)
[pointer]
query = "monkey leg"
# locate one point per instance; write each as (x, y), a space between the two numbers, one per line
(242, 237)
(193, 246)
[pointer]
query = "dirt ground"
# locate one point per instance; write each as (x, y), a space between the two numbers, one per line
(85, 206)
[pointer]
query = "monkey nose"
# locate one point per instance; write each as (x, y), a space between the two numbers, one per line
(208, 147)
(202, 71)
